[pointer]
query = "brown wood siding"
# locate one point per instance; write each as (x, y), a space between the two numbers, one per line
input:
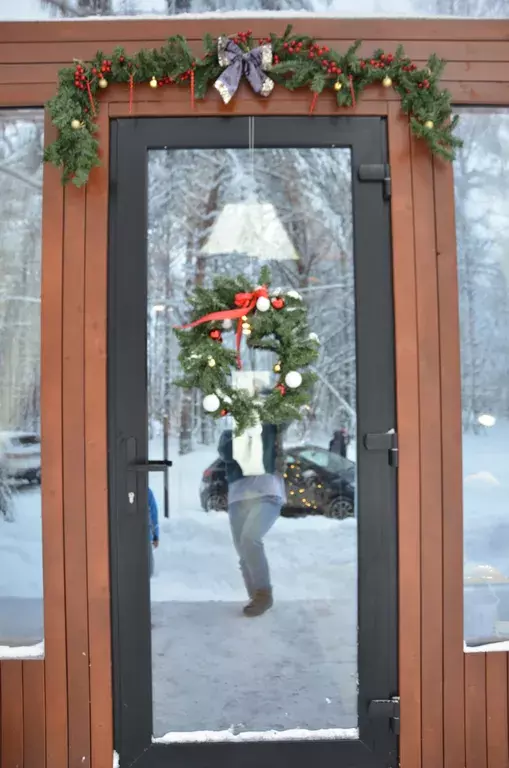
(57, 712)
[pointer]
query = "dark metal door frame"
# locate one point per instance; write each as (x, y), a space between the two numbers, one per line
(127, 417)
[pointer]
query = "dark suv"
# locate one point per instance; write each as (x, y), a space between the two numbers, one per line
(317, 482)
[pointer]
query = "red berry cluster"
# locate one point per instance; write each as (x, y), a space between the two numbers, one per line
(104, 69)
(282, 389)
(166, 80)
(241, 38)
(79, 77)
(315, 51)
(424, 85)
(409, 67)
(331, 67)
(384, 60)
(187, 74)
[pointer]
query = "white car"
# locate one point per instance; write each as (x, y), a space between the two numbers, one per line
(20, 456)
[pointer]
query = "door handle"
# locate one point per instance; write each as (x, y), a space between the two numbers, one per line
(153, 466)
(133, 467)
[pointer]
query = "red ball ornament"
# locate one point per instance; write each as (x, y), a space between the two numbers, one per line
(215, 335)
(224, 412)
(278, 303)
(282, 389)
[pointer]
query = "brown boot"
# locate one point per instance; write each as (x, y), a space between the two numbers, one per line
(261, 601)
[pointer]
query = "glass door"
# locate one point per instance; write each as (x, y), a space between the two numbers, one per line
(254, 614)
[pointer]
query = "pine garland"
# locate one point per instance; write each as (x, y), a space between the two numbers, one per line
(298, 62)
(283, 329)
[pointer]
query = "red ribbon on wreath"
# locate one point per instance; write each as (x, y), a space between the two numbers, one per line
(245, 303)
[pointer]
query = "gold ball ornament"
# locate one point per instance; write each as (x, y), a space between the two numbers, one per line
(211, 362)
(246, 326)
(246, 331)
(75, 125)
(103, 83)
(429, 124)
(387, 82)
(338, 86)
(153, 83)
(277, 368)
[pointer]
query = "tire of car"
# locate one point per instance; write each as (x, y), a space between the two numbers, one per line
(339, 508)
(217, 502)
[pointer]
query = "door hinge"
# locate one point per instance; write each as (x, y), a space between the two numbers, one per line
(387, 709)
(381, 173)
(384, 441)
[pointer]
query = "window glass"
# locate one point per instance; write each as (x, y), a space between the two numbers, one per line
(21, 592)
(48, 9)
(481, 174)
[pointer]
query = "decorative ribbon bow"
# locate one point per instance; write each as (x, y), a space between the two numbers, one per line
(245, 303)
(251, 64)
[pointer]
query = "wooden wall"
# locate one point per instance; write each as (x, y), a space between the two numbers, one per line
(57, 712)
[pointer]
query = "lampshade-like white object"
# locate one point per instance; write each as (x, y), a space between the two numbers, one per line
(250, 229)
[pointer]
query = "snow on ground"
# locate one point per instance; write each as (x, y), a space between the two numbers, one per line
(21, 607)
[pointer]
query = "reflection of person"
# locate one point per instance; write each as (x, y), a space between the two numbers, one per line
(254, 505)
(153, 529)
(339, 442)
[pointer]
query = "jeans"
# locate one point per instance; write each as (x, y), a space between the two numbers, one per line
(250, 520)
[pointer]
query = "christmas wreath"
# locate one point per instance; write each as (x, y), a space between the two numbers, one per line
(268, 320)
(294, 61)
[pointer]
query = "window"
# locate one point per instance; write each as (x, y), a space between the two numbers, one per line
(21, 591)
(482, 221)
(48, 9)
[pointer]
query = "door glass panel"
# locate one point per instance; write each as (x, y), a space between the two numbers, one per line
(295, 667)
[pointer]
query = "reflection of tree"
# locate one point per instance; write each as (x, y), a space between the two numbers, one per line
(464, 8)
(310, 193)
(20, 247)
(482, 223)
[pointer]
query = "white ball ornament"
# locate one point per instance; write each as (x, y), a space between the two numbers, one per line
(293, 379)
(262, 304)
(227, 324)
(211, 403)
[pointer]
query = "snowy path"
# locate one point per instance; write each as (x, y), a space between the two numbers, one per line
(213, 669)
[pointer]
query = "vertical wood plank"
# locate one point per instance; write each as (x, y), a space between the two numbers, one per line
(51, 462)
(78, 688)
(475, 710)
(496, 710)
(452, 483)
(12, 714)
(34, 721)
(430, 456)
(97, 456)
(405, 305)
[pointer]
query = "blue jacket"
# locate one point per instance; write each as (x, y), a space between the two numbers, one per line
(153, 517)
(271, 452)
